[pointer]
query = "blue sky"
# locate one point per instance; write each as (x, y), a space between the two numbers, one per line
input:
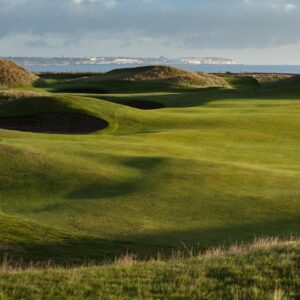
(249, 31)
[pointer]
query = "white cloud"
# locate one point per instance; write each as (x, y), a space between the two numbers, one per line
(11, 3)
(290, 7)
(236, 24)
(287, 7)
(273, 4)
(106, 3)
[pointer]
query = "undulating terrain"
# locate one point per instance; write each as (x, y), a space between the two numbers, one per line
(149, 160)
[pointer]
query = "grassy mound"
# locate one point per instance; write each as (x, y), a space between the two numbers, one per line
(266, 79)
(267, 269)
(13, 75)
(141, 79)
(165, 73)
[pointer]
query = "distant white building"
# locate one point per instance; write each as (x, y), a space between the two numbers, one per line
(126, 61)
(207, 61)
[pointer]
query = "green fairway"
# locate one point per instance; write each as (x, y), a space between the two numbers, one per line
(214, 165)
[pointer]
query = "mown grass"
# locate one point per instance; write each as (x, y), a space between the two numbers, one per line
(267, 269)
(215, 165)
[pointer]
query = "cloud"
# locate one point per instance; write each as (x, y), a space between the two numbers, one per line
(38, 44)
(290, 7)
(193, 24)
(11, 3)
(286, 8)
(106, 3)
(279, 6)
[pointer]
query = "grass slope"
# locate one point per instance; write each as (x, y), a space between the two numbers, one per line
(214, 165)
(25, 241)
(264, 270)
(165, 73)
(141, 79)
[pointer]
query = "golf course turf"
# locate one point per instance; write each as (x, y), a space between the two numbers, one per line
(147, 171)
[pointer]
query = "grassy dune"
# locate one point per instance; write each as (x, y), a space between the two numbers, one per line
(215, 165)
(12, 75)
(141, 79)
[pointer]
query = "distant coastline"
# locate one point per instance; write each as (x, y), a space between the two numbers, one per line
(105, 64)
(122, 60)
(208, 68)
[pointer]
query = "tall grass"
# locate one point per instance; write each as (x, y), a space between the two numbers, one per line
(12, 95)
(129, 258)
(266, 269)
(13, 75)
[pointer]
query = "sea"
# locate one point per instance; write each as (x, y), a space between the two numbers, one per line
(281, 69)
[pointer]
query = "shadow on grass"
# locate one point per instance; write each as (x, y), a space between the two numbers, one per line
(281, 90)
(100, 189)
(72, 250)
(185, 100)
(144, 105)
(243, 87)
(202, 239)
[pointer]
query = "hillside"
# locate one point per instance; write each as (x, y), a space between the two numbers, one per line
(164, 73)
(131, 180)
(140, 79)
(13, 75)
(265, 270)
(87, 177)
(267, 79)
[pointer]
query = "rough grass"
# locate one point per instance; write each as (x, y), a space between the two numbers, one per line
(66, 75)
(267, 269)
(165, 73)
(12, 95)
(266, 79)
(13, 75)
(261, 79)
(141, 79)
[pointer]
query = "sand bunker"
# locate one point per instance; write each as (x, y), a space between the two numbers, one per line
(56, 123)
(145, 105)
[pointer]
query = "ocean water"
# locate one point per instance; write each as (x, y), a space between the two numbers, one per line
(284, 69)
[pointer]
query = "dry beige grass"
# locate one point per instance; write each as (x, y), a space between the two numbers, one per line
(257, 245)
(165, 73)
(13, 75)
(9, 265)
(264, 79)
(10, 96)
(268, 269)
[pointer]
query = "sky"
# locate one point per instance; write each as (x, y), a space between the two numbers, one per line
(247, 31)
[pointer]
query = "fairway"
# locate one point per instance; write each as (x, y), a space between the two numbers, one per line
(204, 167)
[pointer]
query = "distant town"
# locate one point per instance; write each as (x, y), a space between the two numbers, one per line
(62, 61)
